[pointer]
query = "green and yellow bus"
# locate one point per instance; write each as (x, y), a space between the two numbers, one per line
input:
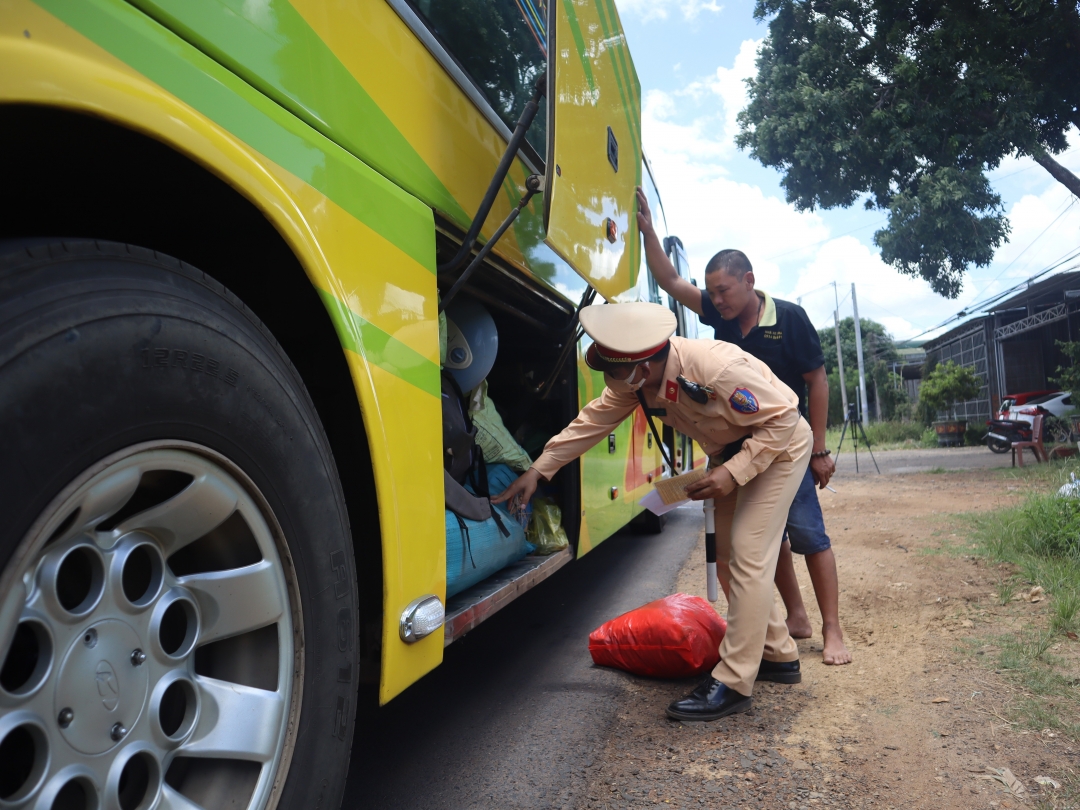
(227, 227)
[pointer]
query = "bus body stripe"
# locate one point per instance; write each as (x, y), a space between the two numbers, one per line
(228, 101)
(579, 42)
(307, 78)
(382, 349)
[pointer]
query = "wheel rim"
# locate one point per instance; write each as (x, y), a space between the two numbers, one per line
(152, 642)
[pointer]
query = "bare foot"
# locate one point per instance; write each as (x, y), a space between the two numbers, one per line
(835, 652)
(799, 626)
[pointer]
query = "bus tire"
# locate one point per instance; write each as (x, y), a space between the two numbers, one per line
(175, 532)
(649, 523)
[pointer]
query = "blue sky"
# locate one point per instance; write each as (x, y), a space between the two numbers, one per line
(692, 57)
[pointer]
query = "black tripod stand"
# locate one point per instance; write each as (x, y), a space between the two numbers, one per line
(856, 429)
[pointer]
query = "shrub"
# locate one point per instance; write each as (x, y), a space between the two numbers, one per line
(1069, 375)
(948, 384)
(975, 435)
(887, 432)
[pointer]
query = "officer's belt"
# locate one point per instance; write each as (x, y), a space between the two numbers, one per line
(730, 451)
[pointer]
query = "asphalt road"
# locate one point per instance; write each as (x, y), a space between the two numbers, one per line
(922, 460)
(517, 712)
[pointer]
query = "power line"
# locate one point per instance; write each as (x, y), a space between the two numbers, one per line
(1025, 250)
(1029, 168)
(986, 304)
(879, 306)
(826, 239)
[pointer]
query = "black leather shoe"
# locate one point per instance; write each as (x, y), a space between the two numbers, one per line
(710, 701)
(779, 671)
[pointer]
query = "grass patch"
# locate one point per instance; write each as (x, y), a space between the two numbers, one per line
(883, 436)
(1040, 538)
(1053, 474)
(1066, 797)
(937, 470)
(1005, 590)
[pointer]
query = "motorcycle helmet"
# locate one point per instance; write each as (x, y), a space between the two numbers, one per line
(472, 341)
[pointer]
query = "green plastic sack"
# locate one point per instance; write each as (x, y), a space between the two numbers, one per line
(491, 434)
(545, 529)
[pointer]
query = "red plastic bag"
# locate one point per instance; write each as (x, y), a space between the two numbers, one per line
(674, 637)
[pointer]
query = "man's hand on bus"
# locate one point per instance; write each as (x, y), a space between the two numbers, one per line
(521, 490)
(644, 215)
(717, 484)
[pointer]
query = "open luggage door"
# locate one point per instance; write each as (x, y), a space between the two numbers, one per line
(594, 145)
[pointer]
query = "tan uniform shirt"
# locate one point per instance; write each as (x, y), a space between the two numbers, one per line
(747, 399)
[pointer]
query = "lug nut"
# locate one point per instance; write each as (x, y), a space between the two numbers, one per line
(65, 718)
(137, 657)
(118, 731)
(90, 637)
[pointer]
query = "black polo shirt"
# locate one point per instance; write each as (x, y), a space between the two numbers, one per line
(784, 340)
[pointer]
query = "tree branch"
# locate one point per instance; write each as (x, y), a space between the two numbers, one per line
(1058, 172)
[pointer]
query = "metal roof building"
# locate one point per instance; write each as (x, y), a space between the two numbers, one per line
(1013, 348)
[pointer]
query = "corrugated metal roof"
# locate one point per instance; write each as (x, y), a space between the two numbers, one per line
(1048, 291)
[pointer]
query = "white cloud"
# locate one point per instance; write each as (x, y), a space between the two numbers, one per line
(689, 135)
(884, 295)
(659, 9)
(729, 86)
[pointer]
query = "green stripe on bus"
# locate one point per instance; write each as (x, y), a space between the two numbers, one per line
(376, 346)
(629, 110)
(610, 26)
(265, 126)
(579, 42)
(292, 65)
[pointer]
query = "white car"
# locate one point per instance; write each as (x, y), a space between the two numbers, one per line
(1057, 404)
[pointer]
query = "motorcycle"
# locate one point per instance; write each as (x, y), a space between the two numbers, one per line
(1003, 432)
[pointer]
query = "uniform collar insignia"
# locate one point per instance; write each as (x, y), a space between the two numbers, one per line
(671, 390)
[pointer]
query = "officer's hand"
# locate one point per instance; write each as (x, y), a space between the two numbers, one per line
(716, 484)
(524, 486)
(644, 215)
(822, 468)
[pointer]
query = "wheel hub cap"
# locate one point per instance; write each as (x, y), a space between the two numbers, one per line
(102, 682)
(154, 553)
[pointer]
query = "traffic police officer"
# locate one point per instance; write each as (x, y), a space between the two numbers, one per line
(748, 421)
(780, 334)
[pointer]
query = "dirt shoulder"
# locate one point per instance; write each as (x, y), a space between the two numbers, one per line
(915, 721)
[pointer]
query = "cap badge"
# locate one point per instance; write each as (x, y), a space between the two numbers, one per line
(743, 401)
(671, 391)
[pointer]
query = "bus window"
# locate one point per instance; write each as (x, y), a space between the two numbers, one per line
(655, 295)
(502, 45)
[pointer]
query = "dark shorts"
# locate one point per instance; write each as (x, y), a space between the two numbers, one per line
(805, 524)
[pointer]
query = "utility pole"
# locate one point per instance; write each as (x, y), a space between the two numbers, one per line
(859, 355)
(839, 353)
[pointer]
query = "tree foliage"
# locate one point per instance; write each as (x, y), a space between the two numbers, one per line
(947, 385)
(906, 104)
(879, 354)
(1068, 376)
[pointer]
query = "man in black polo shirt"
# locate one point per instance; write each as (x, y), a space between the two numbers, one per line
(780, 334)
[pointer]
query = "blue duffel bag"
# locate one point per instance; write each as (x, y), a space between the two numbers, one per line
(477, 549)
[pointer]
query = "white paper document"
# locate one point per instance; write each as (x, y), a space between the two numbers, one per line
(655, 504)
